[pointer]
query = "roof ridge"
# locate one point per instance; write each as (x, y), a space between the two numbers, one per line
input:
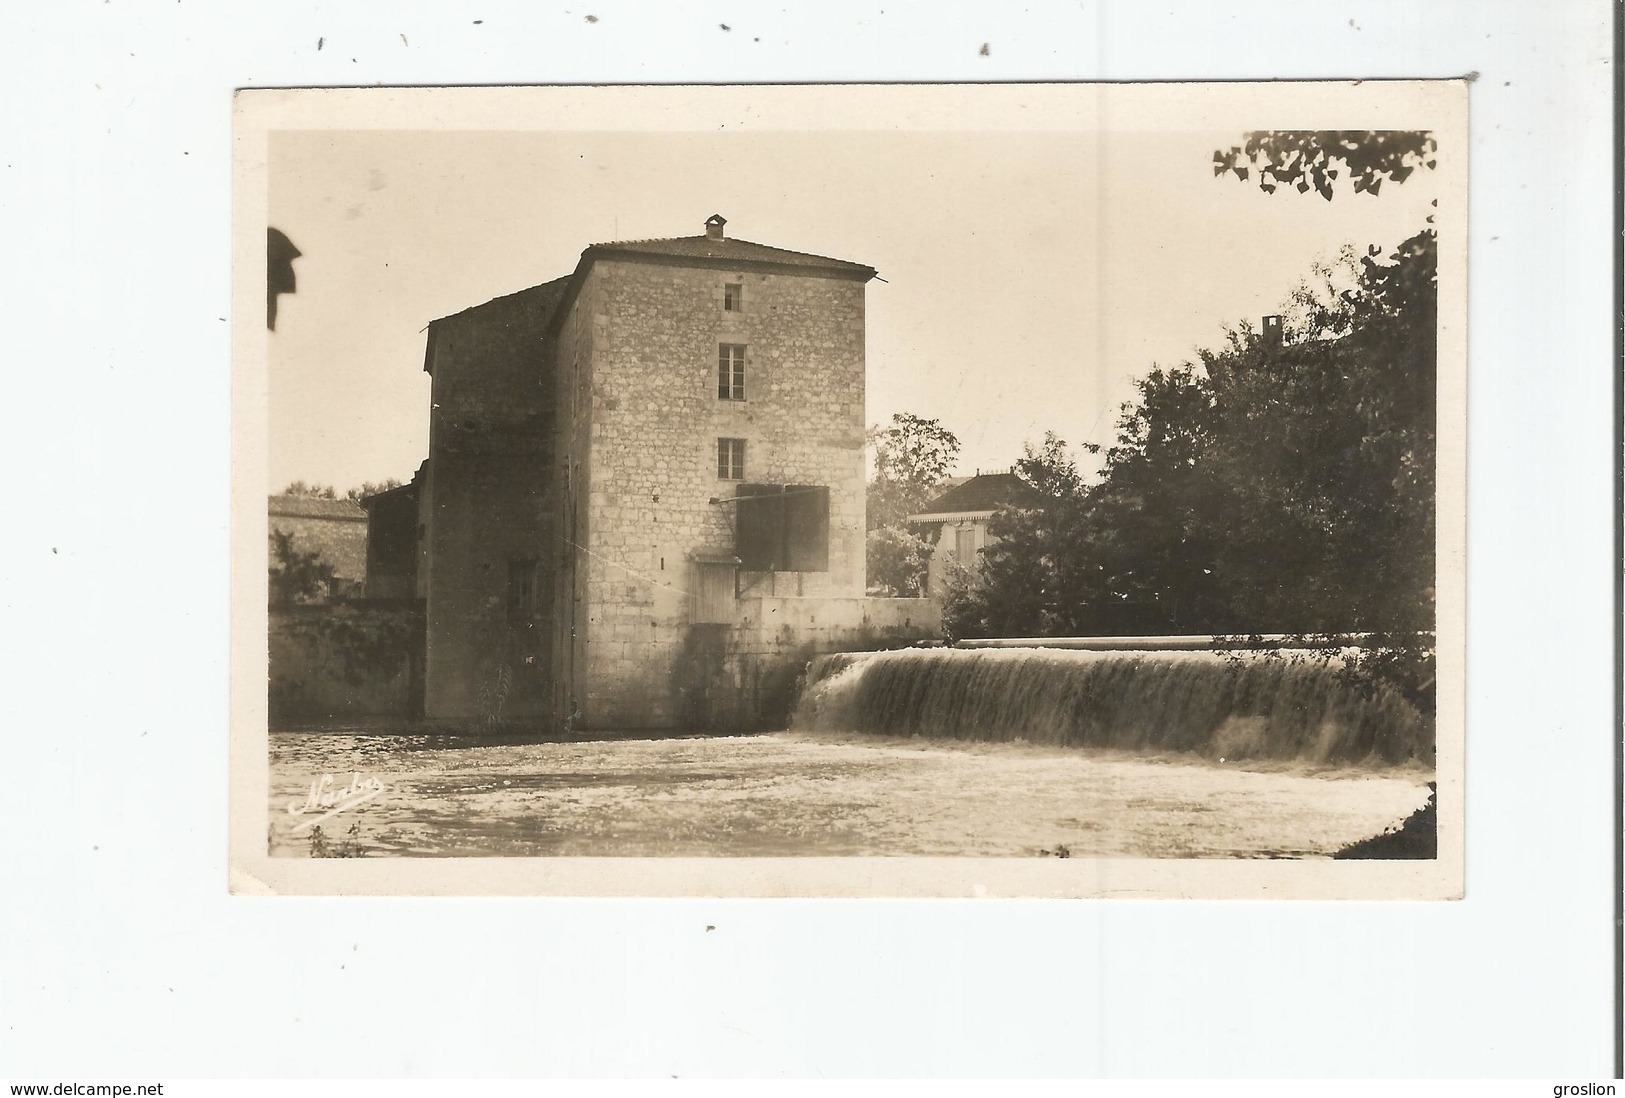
(349, 507)
(504, 297)
(982, 492)
(647, 240)
(610, 245)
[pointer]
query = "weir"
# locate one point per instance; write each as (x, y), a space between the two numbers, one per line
(1224, 705)
(1200, 643)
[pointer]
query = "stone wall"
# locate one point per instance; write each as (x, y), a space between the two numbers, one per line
(489, 510)
(589, 445)
(393, 544)
(578, 332)
(653, 492)
(345, 660)
(745, 677)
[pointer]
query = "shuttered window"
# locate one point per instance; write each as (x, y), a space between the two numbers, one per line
(965, 545)
(783, 528)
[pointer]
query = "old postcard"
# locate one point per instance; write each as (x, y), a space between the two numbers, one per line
(1042, 490)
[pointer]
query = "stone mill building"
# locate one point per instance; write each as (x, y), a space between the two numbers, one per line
(643, 505)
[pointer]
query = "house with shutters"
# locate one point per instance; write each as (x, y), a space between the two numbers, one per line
(956, 522)
(643, 505)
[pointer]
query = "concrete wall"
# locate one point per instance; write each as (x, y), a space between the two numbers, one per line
(745, 677)
(650, 334)
(344, 660)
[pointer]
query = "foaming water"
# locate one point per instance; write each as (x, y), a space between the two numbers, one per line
(1259, 706)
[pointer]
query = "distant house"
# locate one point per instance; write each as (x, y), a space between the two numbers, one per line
(336, 528)
(959, 518)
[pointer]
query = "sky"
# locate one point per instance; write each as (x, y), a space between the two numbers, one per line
(1030, 278)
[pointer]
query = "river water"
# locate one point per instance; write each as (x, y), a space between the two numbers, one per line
(807, 794)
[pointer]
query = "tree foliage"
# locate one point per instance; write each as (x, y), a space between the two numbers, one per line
(1321, 159)
(898, 558)
(1031, 581)
(297, 577)
(1270, 486)
(912, 458)
(301, 490)
(368, 488)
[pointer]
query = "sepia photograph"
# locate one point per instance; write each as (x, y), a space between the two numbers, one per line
(850, 490)
(807, 542)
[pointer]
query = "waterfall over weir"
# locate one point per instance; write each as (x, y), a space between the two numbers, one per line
(1255, 706)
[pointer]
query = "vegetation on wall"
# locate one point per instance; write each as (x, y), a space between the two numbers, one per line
(342, 658)
(297, 577)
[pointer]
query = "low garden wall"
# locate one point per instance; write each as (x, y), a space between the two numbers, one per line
(345, 659)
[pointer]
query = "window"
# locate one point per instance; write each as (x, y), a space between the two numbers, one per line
(783, 528)
(522, 589)
(733, 297)
(965, 545)
(731, 371)
(730, 459)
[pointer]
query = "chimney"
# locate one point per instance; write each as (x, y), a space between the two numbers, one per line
(713, 226)
(1272, 331)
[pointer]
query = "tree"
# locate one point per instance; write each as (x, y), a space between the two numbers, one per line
(1319, 158)
(1270, 486)
(1032, 579)
(368, 488)
(302, 490)
(1274, 484)
(296, 577)
(912, 457)
(898, 559)
(1386, 324)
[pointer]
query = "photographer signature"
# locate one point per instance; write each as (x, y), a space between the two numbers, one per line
(329, 799)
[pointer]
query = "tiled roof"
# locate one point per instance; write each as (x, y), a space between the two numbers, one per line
(987, 492)
(744, 251)
(310, 507)
(543, 299)
(546, 299)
